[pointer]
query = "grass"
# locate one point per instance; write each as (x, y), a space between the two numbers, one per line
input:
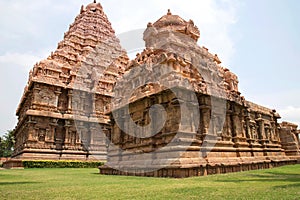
(277, 183)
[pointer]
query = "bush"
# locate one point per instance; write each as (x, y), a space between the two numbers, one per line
(60, 164)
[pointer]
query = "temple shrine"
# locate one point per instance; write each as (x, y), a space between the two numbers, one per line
(173, 111)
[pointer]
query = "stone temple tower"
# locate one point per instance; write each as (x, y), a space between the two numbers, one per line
(61, 113)
(173, 111)
(186, 116)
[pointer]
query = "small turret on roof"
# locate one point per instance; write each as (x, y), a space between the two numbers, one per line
(176, 23)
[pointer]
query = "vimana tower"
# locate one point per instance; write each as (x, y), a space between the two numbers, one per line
(173, 111)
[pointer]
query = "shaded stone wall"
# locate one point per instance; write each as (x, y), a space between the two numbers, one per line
(248, 140)
(208, 127)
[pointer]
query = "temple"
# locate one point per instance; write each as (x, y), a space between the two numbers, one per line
(173, 111)
(62, 109)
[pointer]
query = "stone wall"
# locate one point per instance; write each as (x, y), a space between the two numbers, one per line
(172, 111)
(177, 112)
(289, 138)
(248, 140)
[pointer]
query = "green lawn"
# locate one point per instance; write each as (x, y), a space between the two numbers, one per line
(277, 183)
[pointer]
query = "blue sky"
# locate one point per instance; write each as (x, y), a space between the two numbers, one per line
(257, 39)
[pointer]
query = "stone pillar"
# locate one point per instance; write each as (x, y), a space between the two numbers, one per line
(67, 133)
(237, 123)
(261, 129)
(244, 127)
(36, 90)
(31, 123)
(205, 115)
(94, 112)
(267, 132)
(240, 141)
(70, 95)
(274, 139)
(249, 129)
(53, 124)
(93, 131)
(227, 135)
(79, 134)
(57, 93)
(82, 102)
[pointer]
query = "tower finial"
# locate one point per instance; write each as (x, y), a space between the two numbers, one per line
(169, 12)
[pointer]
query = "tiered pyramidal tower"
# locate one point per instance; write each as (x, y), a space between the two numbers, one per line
(186, 116)
(61, 113)
(173, 111)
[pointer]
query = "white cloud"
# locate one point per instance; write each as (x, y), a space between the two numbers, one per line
(213, 18)
(23, 61)
(28, 29)
(290, 114)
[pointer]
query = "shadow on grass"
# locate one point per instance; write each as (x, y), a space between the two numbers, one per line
(18, 183)
(96, 173)
(284, 174)
(292, 178)
(296, 185)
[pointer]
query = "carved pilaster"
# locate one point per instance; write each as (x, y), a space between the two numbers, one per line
(250, 128)
(236, 125)
(35, 92)
(51, 135)
(82, 102)
(205, 116)
(57, 94)
(70, 96)
(68, 125)
(94, 111)
(274, 138)
(239, 136)
(227, 132)
(261, 129)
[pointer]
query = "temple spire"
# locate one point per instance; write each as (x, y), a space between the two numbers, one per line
(169, 12)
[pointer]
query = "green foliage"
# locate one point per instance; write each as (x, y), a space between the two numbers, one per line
(7, 144)
(60, 164)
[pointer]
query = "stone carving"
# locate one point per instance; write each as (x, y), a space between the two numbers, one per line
(289, 137)
(231, 81)
(67, 109)
(64, 85)
(248, 135)
(46, 97)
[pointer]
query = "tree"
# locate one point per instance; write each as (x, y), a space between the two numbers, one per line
(1, 148)
(7, 144)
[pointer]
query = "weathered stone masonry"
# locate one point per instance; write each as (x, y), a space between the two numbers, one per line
(247, 136)
(74, 103)
(63, 105)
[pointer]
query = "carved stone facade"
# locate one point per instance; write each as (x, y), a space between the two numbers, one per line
(173, 111)
(220, 132)
(289, 137)
(62, 112)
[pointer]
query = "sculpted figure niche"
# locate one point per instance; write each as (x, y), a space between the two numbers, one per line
(173, 111)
